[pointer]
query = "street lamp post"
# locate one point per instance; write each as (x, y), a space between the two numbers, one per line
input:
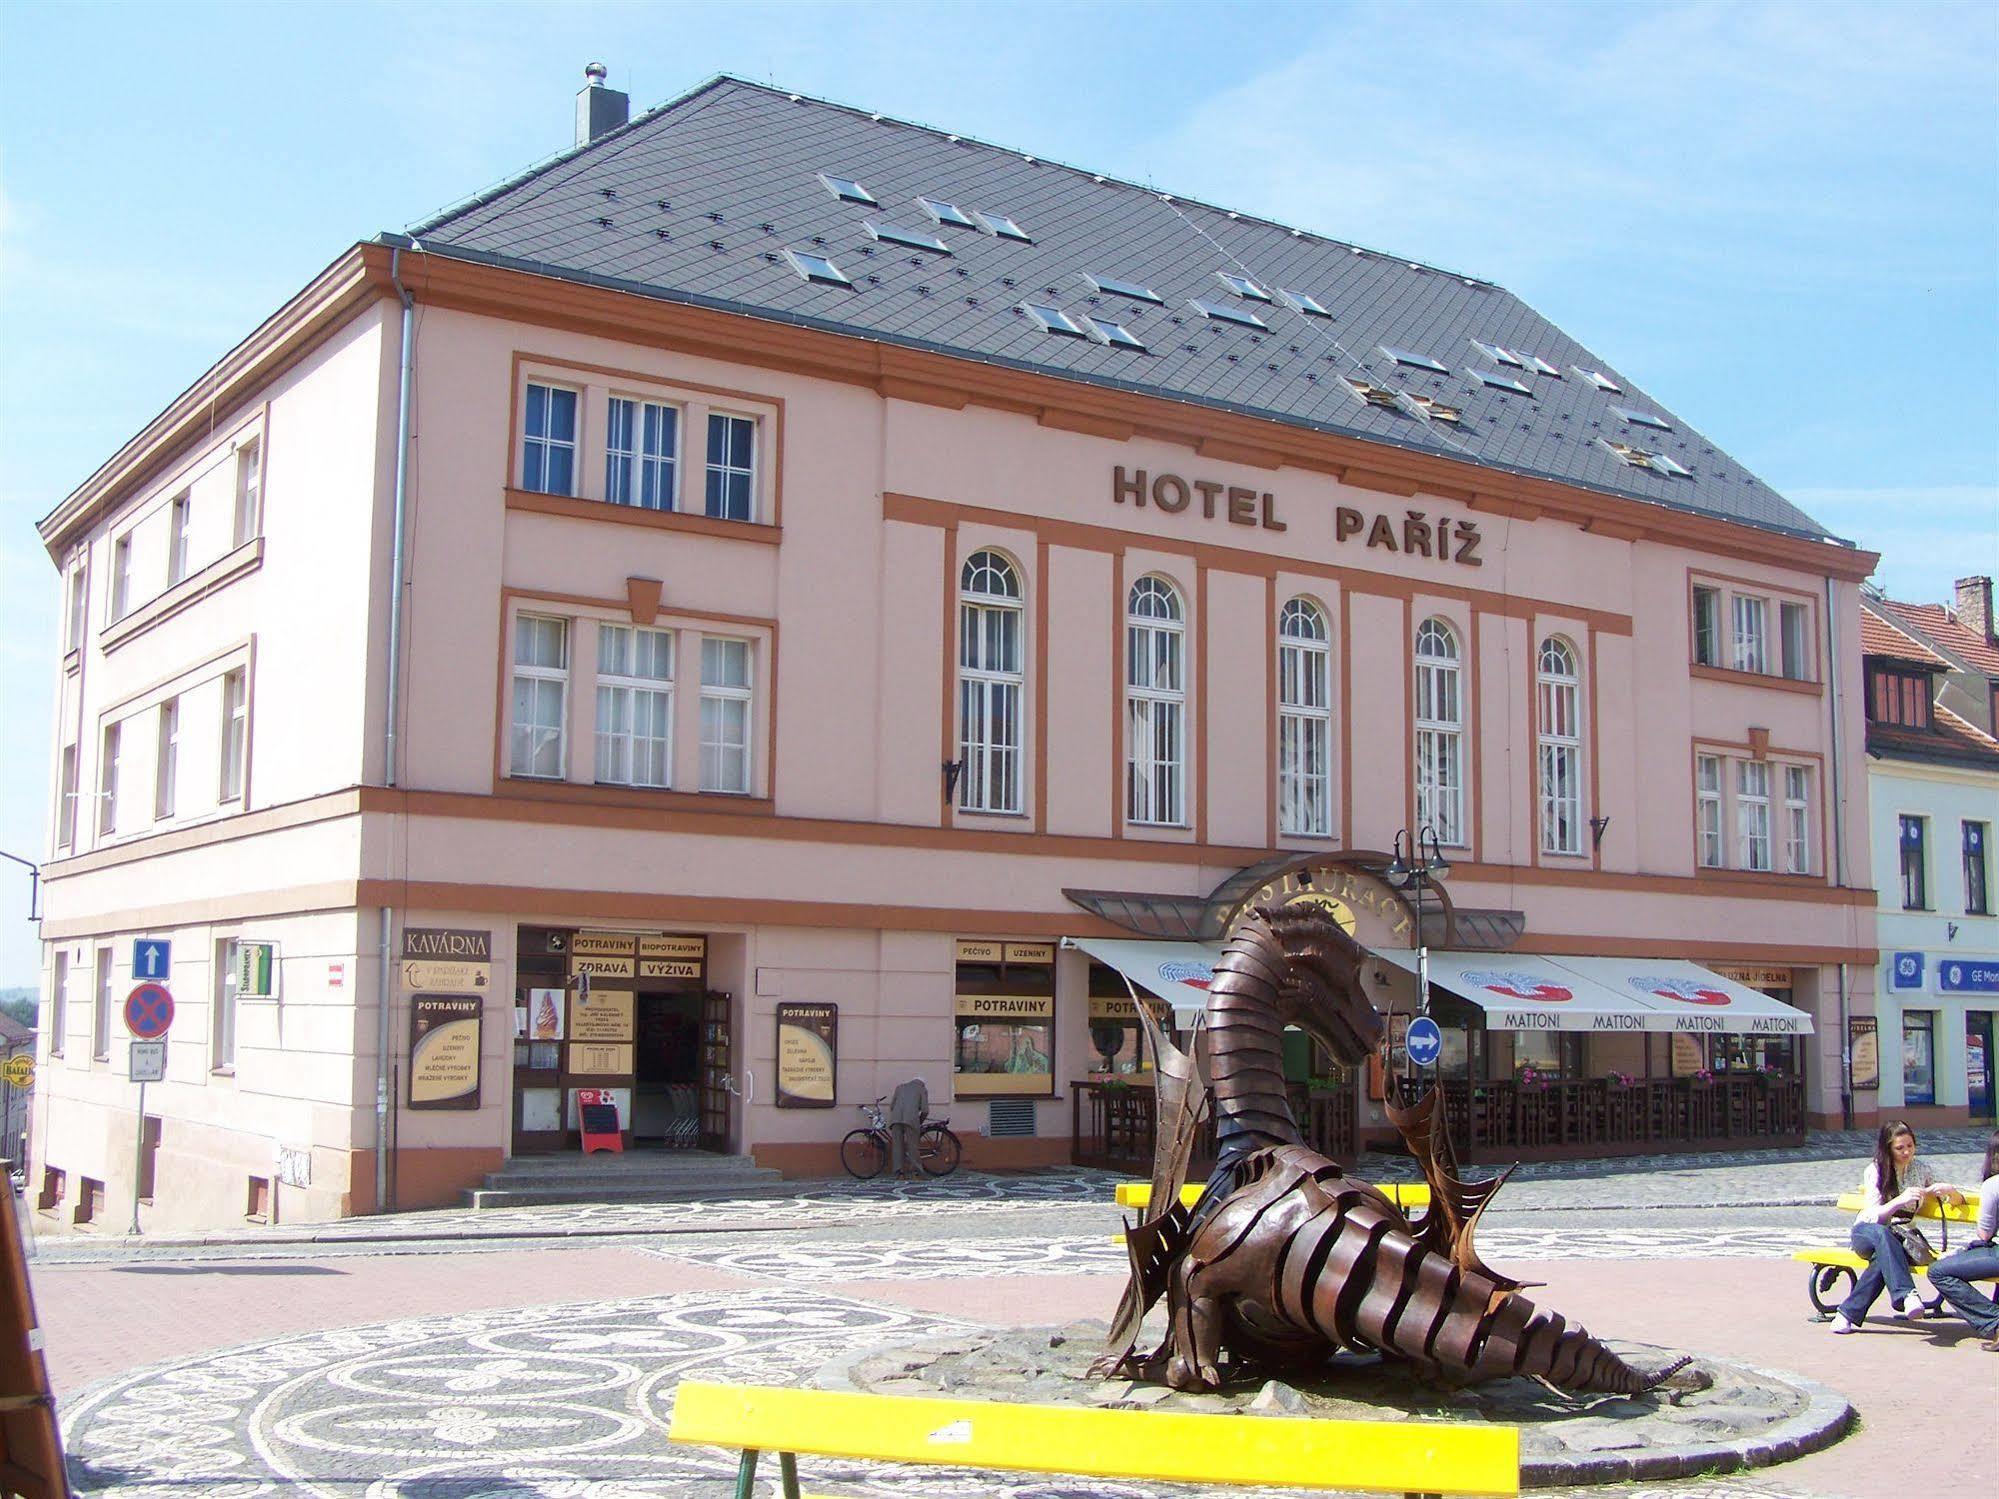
(1418, 862)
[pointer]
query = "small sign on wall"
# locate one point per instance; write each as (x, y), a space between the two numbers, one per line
(294, 1166)
(808, 1055)
(444, 1051)
(1863, 1040)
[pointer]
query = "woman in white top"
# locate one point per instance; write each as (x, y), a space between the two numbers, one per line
(1978, 1260)
(1895, 1186)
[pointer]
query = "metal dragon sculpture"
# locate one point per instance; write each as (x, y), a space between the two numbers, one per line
(1287, 1259)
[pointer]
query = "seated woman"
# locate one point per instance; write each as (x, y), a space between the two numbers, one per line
(1896, 1186)
(1977, 1261)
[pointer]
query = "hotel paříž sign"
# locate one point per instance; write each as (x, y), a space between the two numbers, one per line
(808, 1055)
(444, 1050)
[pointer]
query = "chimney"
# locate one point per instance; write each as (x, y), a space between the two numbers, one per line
(1974, 606)
(599, 110)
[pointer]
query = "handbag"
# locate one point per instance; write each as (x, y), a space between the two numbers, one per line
(1914, 1244)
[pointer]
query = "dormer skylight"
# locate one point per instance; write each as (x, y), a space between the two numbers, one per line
(946, 213)
(1499, 382)
(1658, 463)
(1642, 419)
(1599, 379)
(888, 234)
(1499, 355)
(1304, 302)
(1002, 226)
(1053, 320)
(1114, 334)
(1542, 367)
(1242, 286)
(1126, 289)
(1414, 361)
(1222, 314)
(1671, 466)
(1374, 395)
(1433, 410)
(817, 268)
(847, 189)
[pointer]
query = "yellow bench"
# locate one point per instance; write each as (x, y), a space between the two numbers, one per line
(1391, 1457)
(1139, 1194)
(1828, 1264)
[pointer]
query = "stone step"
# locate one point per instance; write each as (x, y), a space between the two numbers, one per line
(591, 1192)
(567, 1171)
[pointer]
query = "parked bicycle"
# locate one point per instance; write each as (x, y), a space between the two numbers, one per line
(866, 1154)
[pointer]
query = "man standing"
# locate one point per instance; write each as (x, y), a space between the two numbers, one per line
(905, 1118)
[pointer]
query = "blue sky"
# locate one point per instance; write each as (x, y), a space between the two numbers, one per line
(1782, 219)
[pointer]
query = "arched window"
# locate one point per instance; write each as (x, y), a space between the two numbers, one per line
(1558, 721)
(989, 683)
(1155, 704)
(1304, 721)
(1440, 733)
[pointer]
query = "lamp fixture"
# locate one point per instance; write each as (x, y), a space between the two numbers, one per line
(1596, 830)
(952, 770)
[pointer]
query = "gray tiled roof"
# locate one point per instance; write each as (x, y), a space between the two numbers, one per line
(698, 199)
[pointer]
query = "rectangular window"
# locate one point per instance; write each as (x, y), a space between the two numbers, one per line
(732, 465)
(1976, 900)
(1005, 1019)
(1794, 622)
(73, 628)
(166, 759)
(1752, 814)
(1915, 864)
(66, 800)
(725, 714)
(1751, 648)
(235, 735)
(59, 1003)
(177, 541)
(1797, 820)
(107, 782)
(989, 720)
(1156, 703)
(1707, 780)
(121, 576)
(1304, 738)
(1707, 626)
(634, 706)
(100, 1013)
(641, 441)
(249, 494)
(1919, 1076)
(541, 688)
(1899, 697)
(222, 1026)
(548, 442)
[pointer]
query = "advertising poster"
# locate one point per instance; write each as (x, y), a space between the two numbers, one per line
(1863, 1038)
(544, 1015)
(444, 1051)
(808, 1055)
(1687, 1055)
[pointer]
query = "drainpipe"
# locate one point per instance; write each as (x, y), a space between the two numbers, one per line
(383, 1040)
(1839, 859)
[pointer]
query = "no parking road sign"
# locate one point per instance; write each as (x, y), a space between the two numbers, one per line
(149, 1010)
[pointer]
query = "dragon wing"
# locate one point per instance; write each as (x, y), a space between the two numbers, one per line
(1455, 1204)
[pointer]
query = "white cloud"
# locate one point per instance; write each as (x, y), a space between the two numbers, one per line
(1927, 537)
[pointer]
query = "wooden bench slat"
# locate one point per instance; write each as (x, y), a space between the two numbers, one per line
(1139, 1194)
(1395, 1457)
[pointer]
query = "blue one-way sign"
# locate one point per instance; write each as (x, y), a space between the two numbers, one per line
(1425, 1042)
(152, 958)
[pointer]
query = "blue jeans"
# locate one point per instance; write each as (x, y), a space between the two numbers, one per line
(1950, 1274)
(1886, 1264)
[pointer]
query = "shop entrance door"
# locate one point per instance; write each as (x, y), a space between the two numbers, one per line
(717, 1086)
(667, 1071)
(1979, 1089)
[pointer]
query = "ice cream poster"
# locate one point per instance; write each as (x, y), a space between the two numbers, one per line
(544, 1015)
(444, 1051)
(808, 1053)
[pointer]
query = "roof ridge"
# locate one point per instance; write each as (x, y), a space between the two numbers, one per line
(1966, 724)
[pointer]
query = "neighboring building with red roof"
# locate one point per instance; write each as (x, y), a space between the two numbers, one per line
(1962, 638)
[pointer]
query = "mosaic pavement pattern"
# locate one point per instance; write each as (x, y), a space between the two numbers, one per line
(560, 1402)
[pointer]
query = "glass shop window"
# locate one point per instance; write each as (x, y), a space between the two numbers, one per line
(1552, 1056)
(1919, 1073)
(1004, 1019)
(1117, 1040)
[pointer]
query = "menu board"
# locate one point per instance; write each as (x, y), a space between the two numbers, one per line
(601, 1015)
(444, 1051)
(808, 1055)
(1687, 1056)
(1864, 1042)
(600, 1059)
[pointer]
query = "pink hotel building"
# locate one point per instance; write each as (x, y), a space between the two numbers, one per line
(777, 600)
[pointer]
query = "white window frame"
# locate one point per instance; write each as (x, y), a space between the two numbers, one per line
(991, 684)
(73, 629)
(235, 734)
(1749, 616)
(625, 694)
(1155, 704)
(1304, 721)
(1794, 656)
(121, 576)
(166, 760)
(180, 519)
(100, 1009)
(248, 516)
(1797, 819)
(1752, 816)
(728, 470)
(66, 797)
(642, 452)
(107, 779)
(733, 763)
(528, 741)
(1560, 760)
(222, 1026)
(1440, 781)
(1707, 611)
(535, 450)
(1710, 850)
(59, 1002)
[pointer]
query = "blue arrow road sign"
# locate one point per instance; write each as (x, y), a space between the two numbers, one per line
(1426, 1041)
(152, 958)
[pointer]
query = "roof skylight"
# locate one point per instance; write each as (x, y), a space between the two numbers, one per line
(1001, 225)
(1642, 418)
(1415, 361)
(946, 213)
(1499, 381)
(1499, 355)
(888, 234)
(1432, 409)
(1374, 395)
(1304, 302)
(1053, 320)
(1542, 366)
(1671, 466)
(1126, 289)
(848, 189)
(1599, 379)
(817, 268)
(1242, 286)
(1222, 314)
(1114, 334)
(1658, 463)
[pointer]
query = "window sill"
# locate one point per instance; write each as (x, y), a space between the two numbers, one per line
(229, 1071)
(591, 793)
(1754, 679)
(189, 591)
(531, 502)
(1755, 876)
(72, 661)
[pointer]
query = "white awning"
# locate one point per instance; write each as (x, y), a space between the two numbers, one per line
(1178, 972)
(1693, 998)
(1527, 992)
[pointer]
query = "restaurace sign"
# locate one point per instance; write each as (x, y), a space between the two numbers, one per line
(1415, 533)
